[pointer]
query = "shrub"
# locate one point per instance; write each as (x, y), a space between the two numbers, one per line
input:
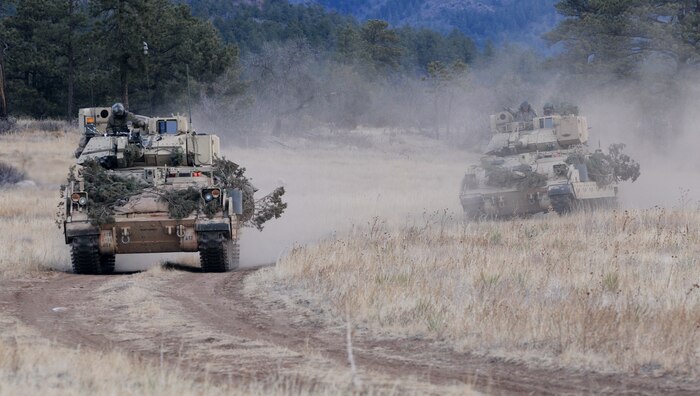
(7, 124)
(10, 175)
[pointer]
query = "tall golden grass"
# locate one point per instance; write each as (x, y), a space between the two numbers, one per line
(610, 291)
(31, 239)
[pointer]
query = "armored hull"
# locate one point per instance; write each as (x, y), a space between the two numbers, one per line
(503, 203)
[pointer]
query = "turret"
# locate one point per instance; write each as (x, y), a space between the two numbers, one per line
(165, 141)
(551, 132)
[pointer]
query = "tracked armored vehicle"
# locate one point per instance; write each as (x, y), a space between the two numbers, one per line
(159, 165)
(532, 167)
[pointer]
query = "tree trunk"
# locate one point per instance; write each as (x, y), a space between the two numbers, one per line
(3, 98)
(71, 63)
(124, 72)
(124, 55)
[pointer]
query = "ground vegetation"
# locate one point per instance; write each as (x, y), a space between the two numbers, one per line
(10, 175)
(611, 291)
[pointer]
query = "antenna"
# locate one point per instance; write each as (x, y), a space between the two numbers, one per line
(189, 106)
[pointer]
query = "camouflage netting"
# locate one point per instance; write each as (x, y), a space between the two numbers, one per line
(605, 169)
(107, 190)
(521, 177)
(255, 213)
(268, 207)
(625, 167)
(181, 203)
(231, 175)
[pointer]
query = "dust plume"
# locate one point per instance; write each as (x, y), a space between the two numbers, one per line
(350, 142)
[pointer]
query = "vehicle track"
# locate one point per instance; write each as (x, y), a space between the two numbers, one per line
(208, 323)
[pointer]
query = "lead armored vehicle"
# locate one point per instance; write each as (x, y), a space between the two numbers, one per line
(150, 190)
(532, 167)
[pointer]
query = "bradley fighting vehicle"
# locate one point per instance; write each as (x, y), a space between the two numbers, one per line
(531, 167)
(165, 156)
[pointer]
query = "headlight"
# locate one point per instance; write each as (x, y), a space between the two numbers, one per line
(211, 194)
(79, 198)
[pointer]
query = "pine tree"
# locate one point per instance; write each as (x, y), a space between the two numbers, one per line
(618, 35)
(6, 9)
(74, 24)
(122, 30)
(380, 44)
(39, 39)
(348, 46)
(3, 96)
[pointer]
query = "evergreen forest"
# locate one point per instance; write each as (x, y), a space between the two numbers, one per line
(274, 65)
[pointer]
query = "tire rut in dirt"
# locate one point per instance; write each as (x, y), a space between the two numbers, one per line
(217, 253)
(239, 313)
(33, 306)
(250, 317)
(219, 303)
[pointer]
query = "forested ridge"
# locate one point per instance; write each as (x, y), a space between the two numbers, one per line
(59, 55)
(276, 66)
(497, 21)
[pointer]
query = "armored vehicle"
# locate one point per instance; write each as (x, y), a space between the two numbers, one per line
(149, 190)
(530, 167)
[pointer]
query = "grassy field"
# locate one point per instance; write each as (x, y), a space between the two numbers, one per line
(32, 240)
(28, 367)
(376, 234)
(611, 291)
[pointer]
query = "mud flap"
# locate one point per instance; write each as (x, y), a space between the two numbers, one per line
(79, 229)
(212, 227)
(237, 198)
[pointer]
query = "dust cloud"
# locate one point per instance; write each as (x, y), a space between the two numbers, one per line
(351, 146)
(330, 191)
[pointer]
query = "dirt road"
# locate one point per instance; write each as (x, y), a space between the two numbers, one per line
(212, 326)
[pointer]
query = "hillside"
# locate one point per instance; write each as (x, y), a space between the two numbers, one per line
(483, 20)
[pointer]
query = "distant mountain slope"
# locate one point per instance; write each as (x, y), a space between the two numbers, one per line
(496, 20)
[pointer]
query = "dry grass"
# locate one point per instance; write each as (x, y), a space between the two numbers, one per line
(614, 291)
(44, 156)
(31, 239)
(48, 369)
(53, 370)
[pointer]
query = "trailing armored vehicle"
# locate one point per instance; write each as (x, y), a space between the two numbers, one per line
(534, 166)
(158, 188)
